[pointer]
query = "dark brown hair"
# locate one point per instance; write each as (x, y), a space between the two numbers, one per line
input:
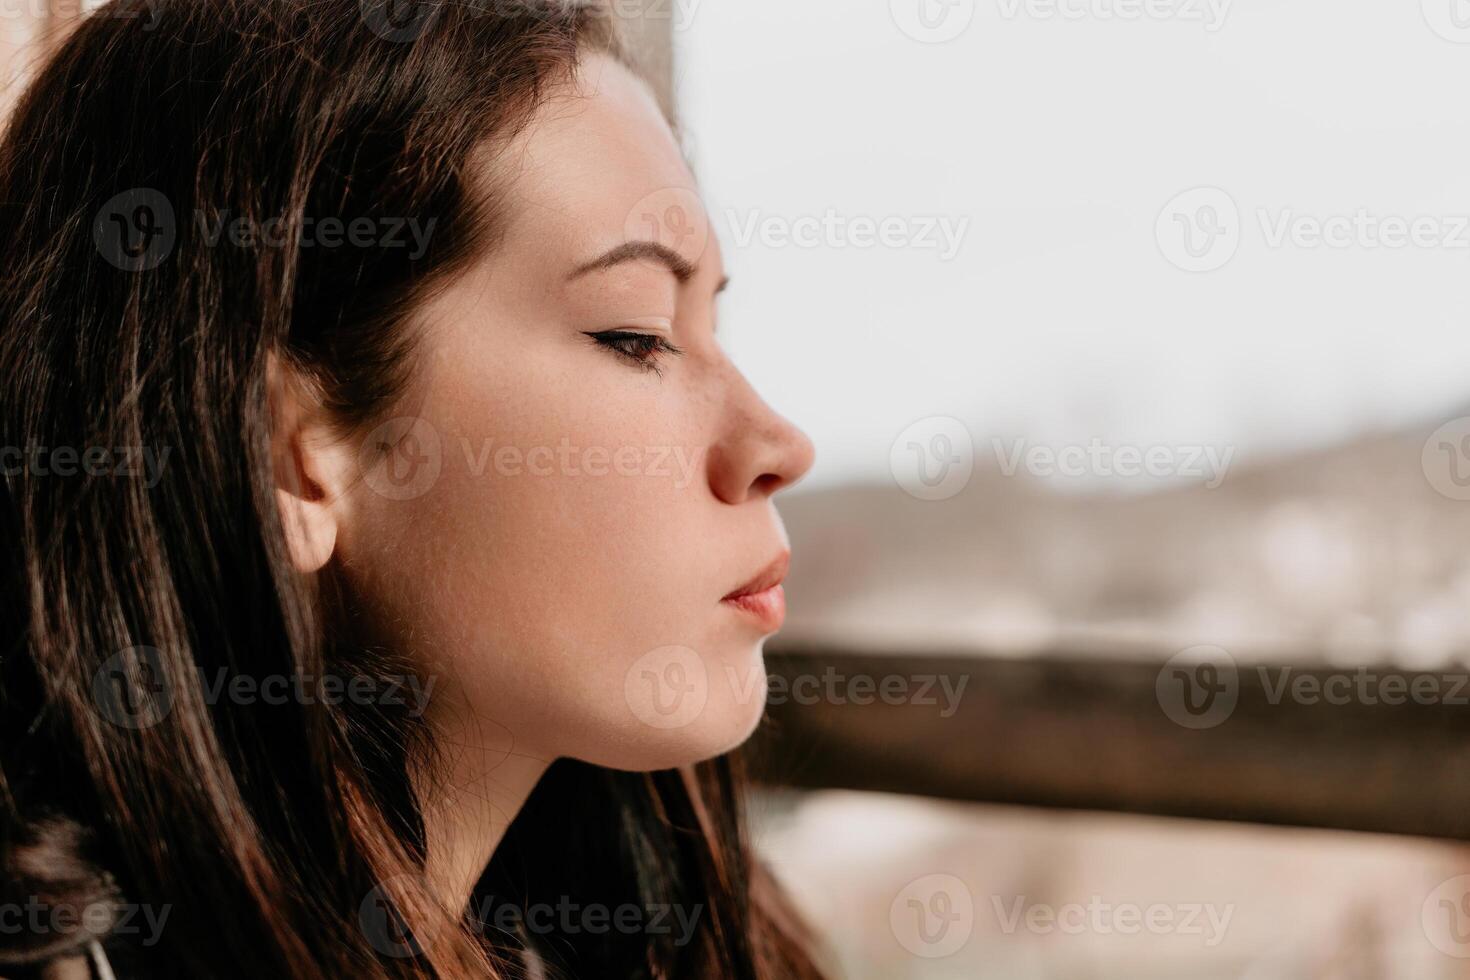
(282, 838)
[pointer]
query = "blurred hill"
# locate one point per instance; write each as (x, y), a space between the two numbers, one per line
(1346, 554)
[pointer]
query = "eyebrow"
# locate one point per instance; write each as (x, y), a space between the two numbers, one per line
(681, 267)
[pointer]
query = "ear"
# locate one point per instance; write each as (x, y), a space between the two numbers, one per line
(309, 491)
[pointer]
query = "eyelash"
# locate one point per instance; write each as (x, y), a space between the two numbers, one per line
(641, 349)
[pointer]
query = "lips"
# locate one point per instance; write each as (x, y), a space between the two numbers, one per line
(763, 598)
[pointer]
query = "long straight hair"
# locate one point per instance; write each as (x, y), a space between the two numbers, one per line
(144, 556)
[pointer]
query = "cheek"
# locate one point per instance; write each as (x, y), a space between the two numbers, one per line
(563, 573)
(586, 501)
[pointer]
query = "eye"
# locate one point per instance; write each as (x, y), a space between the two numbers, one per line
(645, 350)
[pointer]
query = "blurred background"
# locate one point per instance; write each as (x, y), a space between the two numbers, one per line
(1132, 336)
(1130, 614)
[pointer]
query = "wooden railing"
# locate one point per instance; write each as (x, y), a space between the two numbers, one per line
(1080, 733)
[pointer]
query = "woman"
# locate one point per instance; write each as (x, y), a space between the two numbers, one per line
(390, 545)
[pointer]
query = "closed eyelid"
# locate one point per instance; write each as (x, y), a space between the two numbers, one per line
(650, 323)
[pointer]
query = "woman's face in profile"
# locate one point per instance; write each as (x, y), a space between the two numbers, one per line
(562, 540)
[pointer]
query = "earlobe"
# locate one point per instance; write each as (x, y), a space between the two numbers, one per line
(306, 498)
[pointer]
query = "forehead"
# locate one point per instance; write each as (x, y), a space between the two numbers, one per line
(594, 156)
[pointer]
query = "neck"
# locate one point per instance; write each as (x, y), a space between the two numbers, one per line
(480, 781)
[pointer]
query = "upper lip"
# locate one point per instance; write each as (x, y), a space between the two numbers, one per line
(767, 578)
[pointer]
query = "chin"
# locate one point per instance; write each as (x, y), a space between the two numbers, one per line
(741, 725)
(736, 706)
(710, 742)
(732, 706)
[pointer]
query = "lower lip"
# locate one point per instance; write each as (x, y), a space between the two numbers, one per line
(768, 607)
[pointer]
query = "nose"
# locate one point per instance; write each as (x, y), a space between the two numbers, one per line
(759, 453)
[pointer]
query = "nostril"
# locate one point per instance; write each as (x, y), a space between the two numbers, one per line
(769, 483)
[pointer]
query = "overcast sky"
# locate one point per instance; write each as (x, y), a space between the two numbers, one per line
(1027, 175)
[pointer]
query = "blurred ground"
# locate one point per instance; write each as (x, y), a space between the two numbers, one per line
(1272, 904)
